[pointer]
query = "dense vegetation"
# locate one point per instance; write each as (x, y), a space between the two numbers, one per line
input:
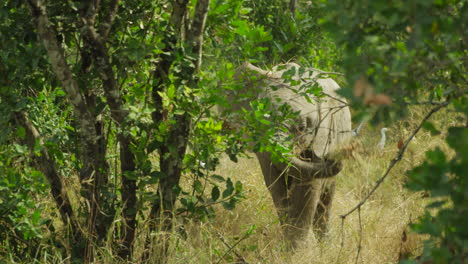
(109, 141)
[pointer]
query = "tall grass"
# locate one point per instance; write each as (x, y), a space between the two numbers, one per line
(383, 230)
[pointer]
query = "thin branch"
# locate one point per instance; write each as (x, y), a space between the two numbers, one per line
(195, 37)
(360, 236)
(196, 121)
(239, 256)
(394, 161)
(232, 248)
(337, 99)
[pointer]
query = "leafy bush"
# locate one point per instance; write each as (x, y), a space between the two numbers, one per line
(413, 52)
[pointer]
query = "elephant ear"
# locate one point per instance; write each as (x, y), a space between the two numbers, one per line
(336, 122)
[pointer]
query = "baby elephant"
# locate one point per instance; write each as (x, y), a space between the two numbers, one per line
(302, 188)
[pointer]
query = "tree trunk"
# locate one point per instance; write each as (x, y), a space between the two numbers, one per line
(95, 41)
(173, 152)
(94, 173)
(85, 119)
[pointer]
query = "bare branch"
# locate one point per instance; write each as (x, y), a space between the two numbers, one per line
(231, 248)
(423, 103)
(239, 256)
(360, 236)
(394, 161)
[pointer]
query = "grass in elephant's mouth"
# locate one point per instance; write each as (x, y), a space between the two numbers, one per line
(383, 230)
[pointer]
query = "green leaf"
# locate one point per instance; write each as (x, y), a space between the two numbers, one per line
(458, 139)
(251, 230)
(21, 132)
(217, 178)
(131, 175)
(264, 121)
(229, 188)
(436, 204)
(36, 217)
(431, 128)
(59, 93)
(238, 187)
(229, 205)
(198, 186)
(158, 175)
(20, 148)
(215, 193)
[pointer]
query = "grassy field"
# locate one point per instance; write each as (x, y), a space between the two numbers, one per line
(251, 232)
(383, 230)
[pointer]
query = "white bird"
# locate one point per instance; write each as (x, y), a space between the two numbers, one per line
(355, 131)
(381, 144)
(202, 164)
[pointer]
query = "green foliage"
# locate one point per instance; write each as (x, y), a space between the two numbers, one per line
(407, 50)
(414, 51)
(253, 31)
(410, 50)
(445, 180)
(21, 218)
(295, 36)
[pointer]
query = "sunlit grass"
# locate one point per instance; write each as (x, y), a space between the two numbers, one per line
(383, 232)
(384, 217)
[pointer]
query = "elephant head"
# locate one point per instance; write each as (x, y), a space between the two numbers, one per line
(302, 187)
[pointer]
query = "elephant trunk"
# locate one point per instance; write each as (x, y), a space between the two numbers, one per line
(324, 168)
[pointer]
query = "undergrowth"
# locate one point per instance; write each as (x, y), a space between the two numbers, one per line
(251, 232)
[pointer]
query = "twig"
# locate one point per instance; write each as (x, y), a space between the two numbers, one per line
(360, 236)
(232, 248)
(396, 159)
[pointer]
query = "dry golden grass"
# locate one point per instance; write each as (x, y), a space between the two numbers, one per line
(384, 217)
